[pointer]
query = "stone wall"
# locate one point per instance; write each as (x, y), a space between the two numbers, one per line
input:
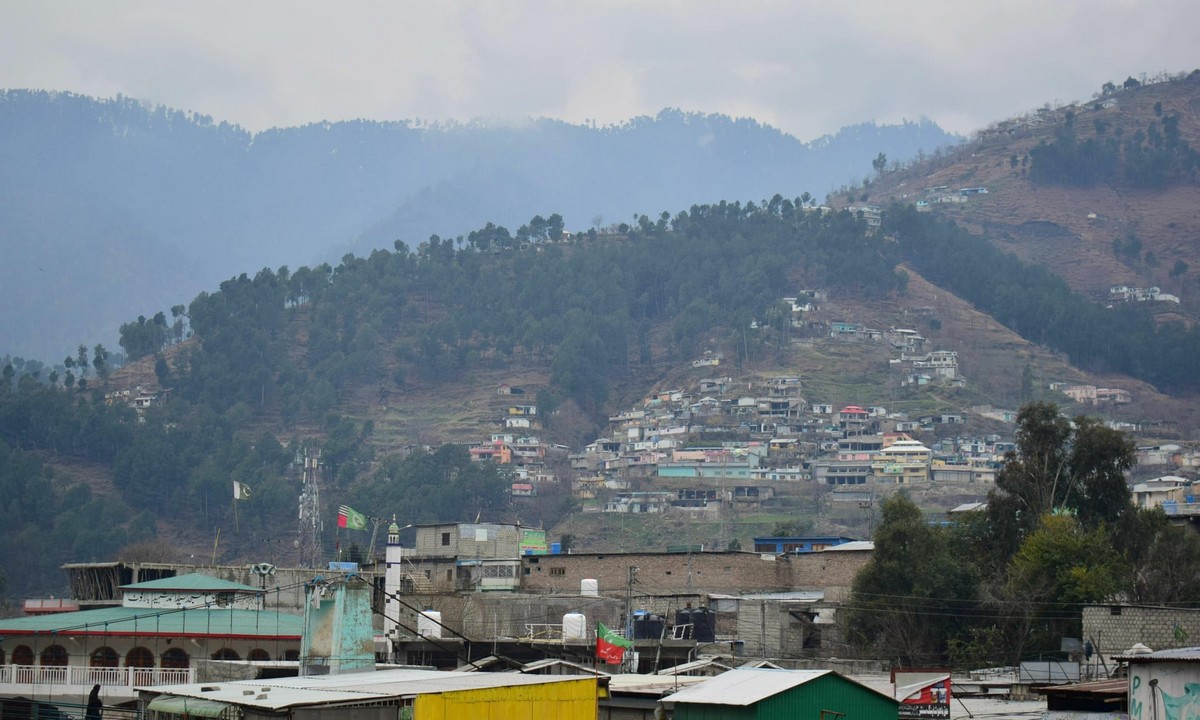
(1113, 629)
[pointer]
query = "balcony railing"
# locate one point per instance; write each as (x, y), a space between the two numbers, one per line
(82, 675)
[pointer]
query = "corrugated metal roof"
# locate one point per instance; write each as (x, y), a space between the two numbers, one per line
(282, 693)
(1188, 655)
(850, 546)
(744, 686)
(192, 582)
(151, 622)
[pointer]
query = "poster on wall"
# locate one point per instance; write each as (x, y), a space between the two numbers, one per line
(533, 542)
(922, 693)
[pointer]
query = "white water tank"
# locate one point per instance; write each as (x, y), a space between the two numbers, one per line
(574, 626)
(590, 587)
(429, 624)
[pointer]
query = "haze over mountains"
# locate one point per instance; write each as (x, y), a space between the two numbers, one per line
(110, 208)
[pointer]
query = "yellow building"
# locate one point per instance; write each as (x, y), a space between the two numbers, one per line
(383, 695)
(904, 462)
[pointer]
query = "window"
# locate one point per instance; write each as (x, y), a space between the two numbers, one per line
(105, 657)
(175, 659)
(54, 656)
(558, 571)
(445, 538)
(139, 657)
(226, 654)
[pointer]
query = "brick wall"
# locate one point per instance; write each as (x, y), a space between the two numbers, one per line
(1113, 629)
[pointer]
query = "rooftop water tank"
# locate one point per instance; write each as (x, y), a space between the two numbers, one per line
(574, 626)
(429, 624)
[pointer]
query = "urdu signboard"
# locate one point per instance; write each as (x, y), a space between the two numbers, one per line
(922, 693)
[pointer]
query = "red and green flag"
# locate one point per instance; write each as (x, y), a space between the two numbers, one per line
(351, 519)
(610, 647)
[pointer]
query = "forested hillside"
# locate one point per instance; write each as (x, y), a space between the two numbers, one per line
(1101, 192)
(276, 360)
(123, 208)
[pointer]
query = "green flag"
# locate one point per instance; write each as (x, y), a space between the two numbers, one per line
(351, 519)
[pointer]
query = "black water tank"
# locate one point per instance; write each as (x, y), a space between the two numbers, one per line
(683, 618)
(704, 625)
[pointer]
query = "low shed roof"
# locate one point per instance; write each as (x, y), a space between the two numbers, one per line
(282, 693)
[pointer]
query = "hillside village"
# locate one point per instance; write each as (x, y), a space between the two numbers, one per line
(717, 448)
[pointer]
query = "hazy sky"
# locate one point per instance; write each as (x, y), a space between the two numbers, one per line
(807, 68)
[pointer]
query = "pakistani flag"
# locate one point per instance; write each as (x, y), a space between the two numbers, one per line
(610, 647)
(351, 519)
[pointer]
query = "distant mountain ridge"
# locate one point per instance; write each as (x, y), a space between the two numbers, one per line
(113, 208)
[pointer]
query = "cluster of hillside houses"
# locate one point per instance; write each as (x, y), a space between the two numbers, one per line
(1125, 293)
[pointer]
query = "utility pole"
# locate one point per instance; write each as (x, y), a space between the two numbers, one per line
(629, 601)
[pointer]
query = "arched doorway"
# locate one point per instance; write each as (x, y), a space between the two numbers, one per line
(292, 655)
(105, 664)
(226, 654)
(258, 655)
(176, 659)
(22, 655)
(54, 661)
(140, 662)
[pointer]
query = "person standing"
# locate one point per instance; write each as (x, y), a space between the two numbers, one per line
(95, 706)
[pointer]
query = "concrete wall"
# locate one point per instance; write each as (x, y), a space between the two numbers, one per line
(481, 616)
(1113, 629)
(1162, 690)
(468, 540)
(700, 573)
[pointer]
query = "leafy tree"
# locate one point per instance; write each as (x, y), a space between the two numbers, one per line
(100, 358)
(1060, 566)
(880, 164)
(914, 593)
(1059, 465)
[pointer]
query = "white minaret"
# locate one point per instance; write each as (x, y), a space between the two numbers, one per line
(393, 572)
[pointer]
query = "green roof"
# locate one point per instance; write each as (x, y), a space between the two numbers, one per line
(194, 707)
(192, 582)
(152, 622)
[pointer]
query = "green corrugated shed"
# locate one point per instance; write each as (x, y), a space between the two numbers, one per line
(757, 694)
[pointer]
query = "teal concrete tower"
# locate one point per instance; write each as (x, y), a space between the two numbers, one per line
(338, 637)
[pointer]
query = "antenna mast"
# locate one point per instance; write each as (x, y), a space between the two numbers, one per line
(309, 540)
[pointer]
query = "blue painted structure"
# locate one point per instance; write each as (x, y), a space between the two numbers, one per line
(780, 545)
